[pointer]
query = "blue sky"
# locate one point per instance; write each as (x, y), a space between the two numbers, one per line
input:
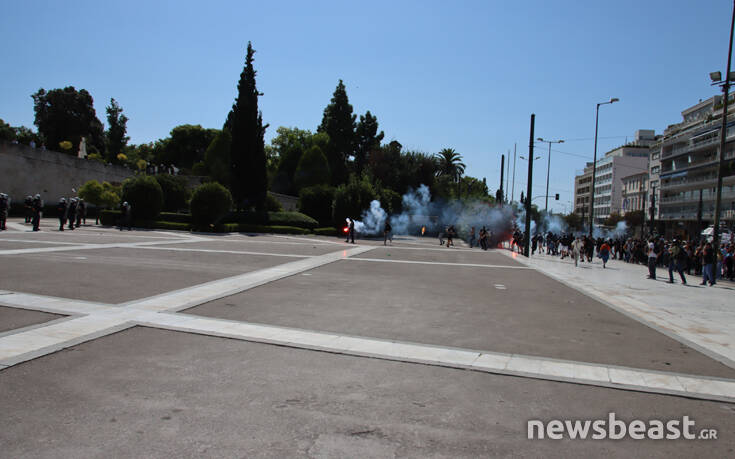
(465, 75)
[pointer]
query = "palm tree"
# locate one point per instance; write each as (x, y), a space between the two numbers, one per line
(449, 163)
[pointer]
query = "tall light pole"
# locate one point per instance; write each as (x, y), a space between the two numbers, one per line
(716, 77)
(548, 170)
(594, 164)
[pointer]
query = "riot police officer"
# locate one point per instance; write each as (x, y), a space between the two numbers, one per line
(72, 213)
(37, 207)
(61, 209)
(4, 209)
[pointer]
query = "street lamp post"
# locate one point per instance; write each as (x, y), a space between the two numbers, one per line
(716, 77)
(548, 170)
(594, 164)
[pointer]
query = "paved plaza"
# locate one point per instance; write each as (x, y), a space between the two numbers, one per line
(173, 344)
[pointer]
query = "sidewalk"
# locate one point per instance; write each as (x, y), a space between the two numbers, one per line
(701, 317)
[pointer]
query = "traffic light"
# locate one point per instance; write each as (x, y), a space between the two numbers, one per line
(557, 196)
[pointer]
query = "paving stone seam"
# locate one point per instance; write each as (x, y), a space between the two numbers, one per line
(623, 309)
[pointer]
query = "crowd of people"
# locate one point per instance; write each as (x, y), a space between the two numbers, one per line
(692, 257)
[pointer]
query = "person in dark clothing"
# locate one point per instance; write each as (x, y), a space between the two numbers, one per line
(81, 212)
(28, 205)
(387, 233)
(708, 260)
(652, 257)
(351, 231)
(677, 261)
(125, 215)
(61, 210)
(72, 212)
(37, 209)
(4, 209)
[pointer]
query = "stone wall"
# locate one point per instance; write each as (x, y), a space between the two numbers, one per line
(26, 171)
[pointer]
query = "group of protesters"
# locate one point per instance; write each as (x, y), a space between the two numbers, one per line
(682, 257)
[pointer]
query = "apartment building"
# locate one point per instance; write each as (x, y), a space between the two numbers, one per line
(689, 158)
(634, 192)
(582, 189)
(620, 162)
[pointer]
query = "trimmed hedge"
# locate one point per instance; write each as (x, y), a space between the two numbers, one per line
(327, 232)
(175, 217)
(249, 228)
(295, 219)
(112, 218)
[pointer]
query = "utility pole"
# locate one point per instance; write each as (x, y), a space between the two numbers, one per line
(529, 192)
(502, 169)
(513, 186)
(507, 177)
(723, 135)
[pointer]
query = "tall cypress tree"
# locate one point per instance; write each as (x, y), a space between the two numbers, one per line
(248, 180)
(367, 139)
(339, 123)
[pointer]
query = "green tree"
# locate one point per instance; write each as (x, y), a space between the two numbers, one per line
(316, 202)
(313, 169)
(67, 115)
(117, 129)
(338, 123)
(288, 145)
(367, 140)
(6, 131)
(352, 198)
(385, 165)
(247, 153)
(473, 188)
(186, 145)
(217, 157)
(416, 169)
(449, 163)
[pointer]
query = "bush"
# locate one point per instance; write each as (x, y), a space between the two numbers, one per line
(272, 204)
(316, 202)
(352, 199)
(144, 195)
(329, 231)
(209, 203)
(175, 192)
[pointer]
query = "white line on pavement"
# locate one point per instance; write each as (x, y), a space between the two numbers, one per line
(440, 263)
(235, 252)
